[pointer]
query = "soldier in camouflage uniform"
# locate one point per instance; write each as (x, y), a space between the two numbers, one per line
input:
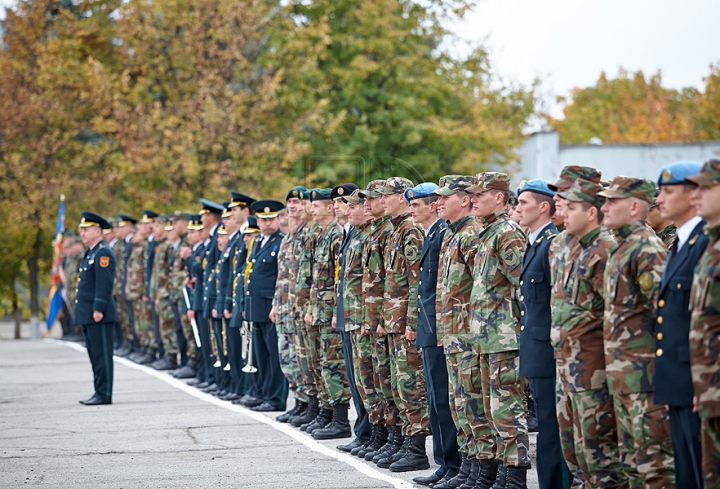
(160, 294)
(495, 326)
(455, 281)
(400, 313)
(664, 228)
(632, 280)
(135, 292)
(177, 240)
(705, 323)
(585, 413)
(73, 257)
(324, 341)
(122, 227)
(372, 345)
(282, 311)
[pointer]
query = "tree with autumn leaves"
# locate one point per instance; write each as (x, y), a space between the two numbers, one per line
(123, 105)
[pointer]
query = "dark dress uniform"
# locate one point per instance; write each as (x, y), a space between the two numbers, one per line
(272, 387)
(445, 446)
(537, 359)
(95, 293)
(673, 381)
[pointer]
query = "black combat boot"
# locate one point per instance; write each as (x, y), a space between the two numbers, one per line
(393, 433)
(488, 474)
(472, 475)
(377, 443)
(339, 427)
(138, 355)
(308, 415)
(532, 421)
(459, 479)
(415, 456)
(348, 447)
(393, 455)
(373, 436)
(300, 407)
(167, 362)
(501, 479)
(516, 477)
(321, 421)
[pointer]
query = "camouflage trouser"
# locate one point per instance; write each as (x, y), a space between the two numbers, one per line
(332, 366)
(710, 441)
(481, 441)
(408, 384)
(587, 435)
(289, 363)
(302, 357)
(124, 319)
(505, 408)
(644, 440)
(459, 393)
(144, 327)
(383, 379)
(363, 351)
(188, 332)
(314, 356)
(167, 326)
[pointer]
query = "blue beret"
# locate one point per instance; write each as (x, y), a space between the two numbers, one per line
(419, 191)
(675, 173)
(535, 185)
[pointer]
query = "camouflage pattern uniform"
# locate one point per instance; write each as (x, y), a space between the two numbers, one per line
(667, 235)
(118, 250)
(309, 368)
(495, 326)
(585, 410)
(71, 266)
(327, 350)
(400, 309)
(160, 290)
(175, 289)
(353, 309)
(632, 280)
(135, 290)
(703, 337)
(453, 332)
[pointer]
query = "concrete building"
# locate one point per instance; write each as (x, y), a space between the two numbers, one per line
(542, 156)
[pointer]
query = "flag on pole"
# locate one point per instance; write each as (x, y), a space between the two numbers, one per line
(55, 299)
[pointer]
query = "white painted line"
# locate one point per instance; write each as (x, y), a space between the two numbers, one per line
(300, 436)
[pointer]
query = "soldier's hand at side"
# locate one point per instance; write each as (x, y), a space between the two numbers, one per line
(334, 322)
(185, 252)
(695, 404)
(243, 314)
(308, 319)
(381, 331)
(157, 302)
(191, 315)
(97, 316)
(273, 315)
(410, 335)
(215, 313)
(227, 314)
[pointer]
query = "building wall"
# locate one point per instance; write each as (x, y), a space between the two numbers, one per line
(542, 156)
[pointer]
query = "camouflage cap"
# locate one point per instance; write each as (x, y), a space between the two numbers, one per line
(584, 191)
(449, 184)
(490, 180)
(373, 188)
(624, 187)
(709, 174)
(571, 173)
(354, 198)
(395, 185)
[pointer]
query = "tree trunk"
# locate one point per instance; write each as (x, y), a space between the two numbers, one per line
(34, 287)
(16, 314)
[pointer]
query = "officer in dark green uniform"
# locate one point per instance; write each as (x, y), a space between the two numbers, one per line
(95, 305)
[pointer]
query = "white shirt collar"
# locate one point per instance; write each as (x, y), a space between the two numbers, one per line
(427, 230)
(212, 231)
(112, 243)
(684, 231)
(129, 237)
(535, 234)
(195, 246)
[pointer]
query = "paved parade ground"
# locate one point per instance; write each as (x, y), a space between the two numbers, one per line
(157, 433)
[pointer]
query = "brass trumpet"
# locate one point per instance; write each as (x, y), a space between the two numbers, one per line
(225, 347)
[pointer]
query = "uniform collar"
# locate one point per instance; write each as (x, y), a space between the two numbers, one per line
(587, 239)
(683, 232)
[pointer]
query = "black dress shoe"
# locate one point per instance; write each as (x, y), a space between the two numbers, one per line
(230, 396)
(249, 401)
(95, 401)
(266, 407)
(186, 372)
(211, 388)
(165, 363)
(429, 480)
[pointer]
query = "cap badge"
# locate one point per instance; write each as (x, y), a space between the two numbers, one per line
(341, 191)
(666, 175)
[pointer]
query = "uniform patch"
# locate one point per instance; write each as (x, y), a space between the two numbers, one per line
(512, 258)
(645, 281)
(104, 261)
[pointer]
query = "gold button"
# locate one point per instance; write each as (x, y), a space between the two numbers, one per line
(660, 320)
(532, 280)
(522, 328)
(418, 309)
(522, 297)
(659, 352)
(660, 336)
(661, 303)
(420, 283)
(522, 313)
(419, 296)
(679, 286)
(522, 282)
(421, 269)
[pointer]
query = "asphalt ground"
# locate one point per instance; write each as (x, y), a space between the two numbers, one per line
(158, 432)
